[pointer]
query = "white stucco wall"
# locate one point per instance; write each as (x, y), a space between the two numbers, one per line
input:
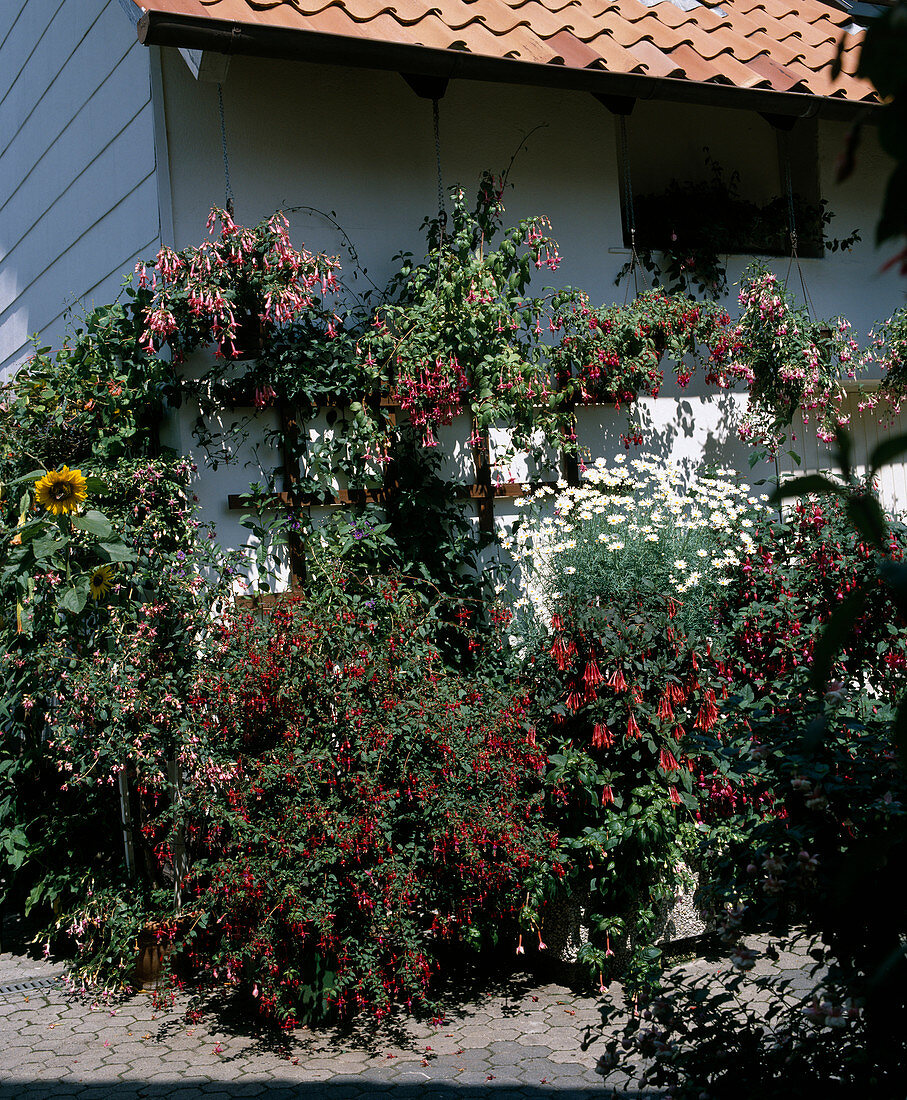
(78, 194)
(358, 145)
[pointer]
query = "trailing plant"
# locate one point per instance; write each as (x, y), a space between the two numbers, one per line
(203, 294)
(694, 226)
(889, 348)
(460, 333)
(790, 362)
(614, 353)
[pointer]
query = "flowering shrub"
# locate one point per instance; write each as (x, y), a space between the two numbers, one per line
(352, 805)
(94, 695)
(459, 332)
(102, 605)
(789, 362)
(792, 580)
(626, 687)
(614, 353)
(831, 846)
(203, 294)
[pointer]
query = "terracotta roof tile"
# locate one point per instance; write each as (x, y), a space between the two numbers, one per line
(779, 76)
(781, 52)
(657, 63)
(778, 45)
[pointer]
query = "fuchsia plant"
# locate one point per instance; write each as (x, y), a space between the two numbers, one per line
(790, 361)
(202, 295)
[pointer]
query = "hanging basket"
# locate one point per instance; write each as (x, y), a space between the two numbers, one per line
(249, 340)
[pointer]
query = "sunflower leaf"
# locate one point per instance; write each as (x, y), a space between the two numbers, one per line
(117, 551)
(34, 475)
(74, 599)
(46, 546)
(94, 523)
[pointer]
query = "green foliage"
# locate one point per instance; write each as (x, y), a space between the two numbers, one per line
(695, 226)
(97, 397)
(351, 805)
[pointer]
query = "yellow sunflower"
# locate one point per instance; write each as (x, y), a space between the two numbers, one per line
(61, 491)
(101, 580)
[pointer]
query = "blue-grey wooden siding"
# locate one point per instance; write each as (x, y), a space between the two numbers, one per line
(78, 194)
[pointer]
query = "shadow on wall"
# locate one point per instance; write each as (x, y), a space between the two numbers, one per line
(690, 429)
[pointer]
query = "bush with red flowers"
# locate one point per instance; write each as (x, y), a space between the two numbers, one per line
(353, 805)
(832, 851)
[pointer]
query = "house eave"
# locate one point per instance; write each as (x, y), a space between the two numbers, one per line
(242, 39)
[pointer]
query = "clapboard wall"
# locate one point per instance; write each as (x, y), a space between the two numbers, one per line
(78, 193)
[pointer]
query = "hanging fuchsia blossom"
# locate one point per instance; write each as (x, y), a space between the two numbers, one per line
(203, 295)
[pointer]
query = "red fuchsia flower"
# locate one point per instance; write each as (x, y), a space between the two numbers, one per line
(673, 795)
(633, 729)
(574, 700)
(561, 652)
(664, 711)
(675, 692)
(708, 712)
(667, 762)
(592, 674)
(607, 796)
(601, 737)
(616, 680)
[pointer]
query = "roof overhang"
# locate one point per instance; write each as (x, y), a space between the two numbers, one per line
(158, 28)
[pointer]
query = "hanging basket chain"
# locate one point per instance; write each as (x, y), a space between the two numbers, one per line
(228, 189)
(442, 212)
(629, 212)
(788, 183)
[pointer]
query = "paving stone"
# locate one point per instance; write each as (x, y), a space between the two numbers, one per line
(521, 1046)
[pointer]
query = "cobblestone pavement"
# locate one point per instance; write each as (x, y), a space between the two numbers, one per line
(521, 1041)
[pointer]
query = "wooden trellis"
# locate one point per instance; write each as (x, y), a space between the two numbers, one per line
(483, 490)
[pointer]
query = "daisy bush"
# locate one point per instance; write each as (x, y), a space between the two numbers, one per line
(621, 580)
(639, 526)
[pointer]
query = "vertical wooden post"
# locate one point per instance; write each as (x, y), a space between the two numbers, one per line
(481, 455)
(126, 822)
(180, 852)
(289, 430)
(568, 460)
